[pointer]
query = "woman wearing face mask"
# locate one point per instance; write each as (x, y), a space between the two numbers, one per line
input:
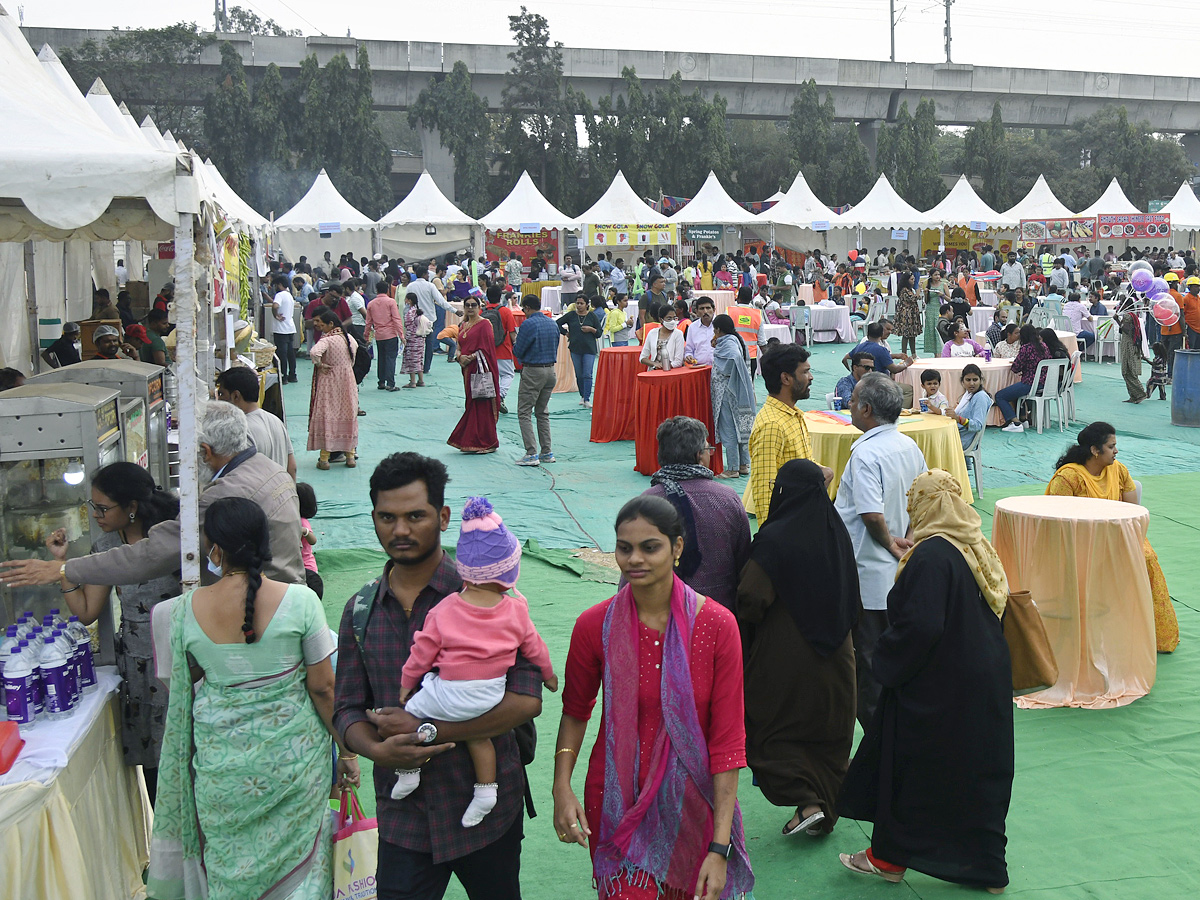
(126, 503)
(664, 346)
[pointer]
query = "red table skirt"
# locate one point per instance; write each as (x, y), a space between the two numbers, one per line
(612, 397)
(660, 395)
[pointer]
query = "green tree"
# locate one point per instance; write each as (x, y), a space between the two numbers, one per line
(243, 21)
(155, 71)
(810, 128)
(759, 158)
(925, 185)
(896, 156)
(271, 177)
(460, 116)
(227, 121)
(849, 173)
(538, 132)
(987, 154)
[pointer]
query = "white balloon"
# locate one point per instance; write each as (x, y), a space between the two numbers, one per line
(1141, 264)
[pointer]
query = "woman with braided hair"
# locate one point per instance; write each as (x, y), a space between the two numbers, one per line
(244, 784)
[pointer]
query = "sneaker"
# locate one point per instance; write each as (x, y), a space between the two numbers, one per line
(529, 460)
(1014, 428)
(587, 404)
(337, 456)
(547, 458)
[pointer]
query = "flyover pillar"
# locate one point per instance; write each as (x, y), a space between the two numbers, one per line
(438, 161)
(868, 133)
(1191, 146)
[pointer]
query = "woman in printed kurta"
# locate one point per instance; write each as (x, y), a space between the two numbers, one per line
(1089, 468)
(660, 813)
(333, 407)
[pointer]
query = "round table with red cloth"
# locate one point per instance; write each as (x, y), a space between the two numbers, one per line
(612, 398)
(659, 395)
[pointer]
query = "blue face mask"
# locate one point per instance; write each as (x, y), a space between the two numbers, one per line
(219, 571)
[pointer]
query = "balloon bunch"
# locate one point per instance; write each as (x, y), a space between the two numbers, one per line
(1156, 293)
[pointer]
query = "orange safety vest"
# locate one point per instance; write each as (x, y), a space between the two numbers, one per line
(746, 321)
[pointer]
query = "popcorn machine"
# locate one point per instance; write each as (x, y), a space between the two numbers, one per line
(53, 437)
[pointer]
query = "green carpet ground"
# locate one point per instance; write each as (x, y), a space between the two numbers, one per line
(1103, 800)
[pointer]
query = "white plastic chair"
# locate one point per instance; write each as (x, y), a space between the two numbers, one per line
(829, 399)
(974, 454)
(1049, 375)
(801, 318)
(875, 312)
(1137, 492)
(1068, 385)
(890, 302)
(1061, 323)
(1108, 336)
(1039, 317)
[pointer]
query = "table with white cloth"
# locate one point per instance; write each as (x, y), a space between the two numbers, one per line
(1069, 339)
(804, 293)
(981, 318)
(783, 332)
(722, 299)
(997, 374)
(831, 324)
(1081, 560)
(552, 299)
(988, 297)
(74, 819)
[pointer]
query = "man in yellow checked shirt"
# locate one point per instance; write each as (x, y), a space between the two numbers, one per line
(780, 433)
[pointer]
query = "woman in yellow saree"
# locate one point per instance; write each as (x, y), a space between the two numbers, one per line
(1089, 468)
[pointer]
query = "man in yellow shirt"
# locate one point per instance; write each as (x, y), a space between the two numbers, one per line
(780, 433)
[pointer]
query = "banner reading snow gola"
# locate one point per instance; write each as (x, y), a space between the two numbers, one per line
(620, 237)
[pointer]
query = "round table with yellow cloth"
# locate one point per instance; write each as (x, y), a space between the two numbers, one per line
(832, 439)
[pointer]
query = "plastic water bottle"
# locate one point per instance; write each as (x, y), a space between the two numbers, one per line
(59, 621)
(10, 640)
(66, 645)
(83, 647)
(24, 626)
(56, 676)
(32, 652)
(18, 677)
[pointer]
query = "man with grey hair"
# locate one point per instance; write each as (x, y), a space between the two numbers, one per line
(872, 500)
(236, 469)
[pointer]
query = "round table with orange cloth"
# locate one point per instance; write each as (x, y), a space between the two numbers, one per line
(612, 398)
(686, 391)
(564, 369)
(1081, 560)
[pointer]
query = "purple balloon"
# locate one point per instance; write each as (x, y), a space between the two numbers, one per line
(1156, 295)
(1142, 281)
(1159, 286)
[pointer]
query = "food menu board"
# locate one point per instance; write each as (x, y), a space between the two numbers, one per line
(1068, 230)
(154, 389)
(107, 423)
(1141, 225)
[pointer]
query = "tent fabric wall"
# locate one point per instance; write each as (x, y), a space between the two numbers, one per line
(104, 266)
(14, 338)
(447, 240)
(295, 244)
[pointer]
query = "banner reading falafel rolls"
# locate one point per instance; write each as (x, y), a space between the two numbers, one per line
(1129, 226)
(1059, 231)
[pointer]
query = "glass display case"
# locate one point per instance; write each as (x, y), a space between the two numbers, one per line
(133, 427)
(52, 438)
(135, 381)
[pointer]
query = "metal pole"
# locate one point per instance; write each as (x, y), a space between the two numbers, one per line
(892, 23)
(185, 415)
(35, 341)
(948, 3)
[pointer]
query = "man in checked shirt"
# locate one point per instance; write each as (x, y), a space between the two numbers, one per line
(421, 838)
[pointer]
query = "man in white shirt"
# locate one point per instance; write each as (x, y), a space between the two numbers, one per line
(122, 273)
(572, 278)
(1059, 278)
(239, 385)
(698, 349)
(429, 299)
(284, 327)
(357, 323)
(1012, 274)
(872, 500)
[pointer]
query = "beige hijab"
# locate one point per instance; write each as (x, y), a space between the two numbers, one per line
(937, 509)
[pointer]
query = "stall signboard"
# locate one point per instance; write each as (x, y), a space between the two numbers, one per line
(166, 249)
(107, 423)
(703, 232)
(1129, 226)
(619, 237)
(899, 234)
(1068, 230)
(959, 237)
(499, 244)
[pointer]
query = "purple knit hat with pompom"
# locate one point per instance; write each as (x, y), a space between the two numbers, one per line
(487, 551)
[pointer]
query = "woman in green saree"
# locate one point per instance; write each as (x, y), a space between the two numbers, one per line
(243, 797)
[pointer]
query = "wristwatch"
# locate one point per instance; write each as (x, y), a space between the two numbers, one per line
(427, 732)
(722, 850)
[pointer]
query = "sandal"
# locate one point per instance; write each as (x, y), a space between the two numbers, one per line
(727, 474)
(322, 464)
(859, 862)
(807, 825)
(407, 386)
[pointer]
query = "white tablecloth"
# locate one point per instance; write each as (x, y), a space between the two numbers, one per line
(805, 292)
(783, 332)
(831, 324)
(723, 299)
(981, 318)
(552, 299)
(988, 298)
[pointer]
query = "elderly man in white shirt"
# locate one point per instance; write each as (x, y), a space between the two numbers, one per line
(1012, 274)
(872, 500)
(698, 349)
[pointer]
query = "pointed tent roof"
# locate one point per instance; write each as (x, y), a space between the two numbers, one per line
(101, 101)
(229, 200)
(1039, 203)
(962, 206)
(713, 206)
(323, 204)
(799, 207)
(620, 204)
(61, 78)
(884, 208)
(775, 197)
(1112, 202)
(526, 205)
(426, 205)
(151, 133)
(1184, 208)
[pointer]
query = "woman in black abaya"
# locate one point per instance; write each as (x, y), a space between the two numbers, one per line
(797, 602)
(934, 771)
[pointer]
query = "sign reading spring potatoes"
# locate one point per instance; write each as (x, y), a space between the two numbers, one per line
(622, 236)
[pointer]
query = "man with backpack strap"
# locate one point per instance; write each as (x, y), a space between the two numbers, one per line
(421, 838)
(504, 330)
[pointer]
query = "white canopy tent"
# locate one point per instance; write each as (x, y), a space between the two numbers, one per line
(775, 197)
(1039, 203)
(620, 204)
(962, 206)
(793, 217)
(880, 213)
(299, 230)
(1184, 208)
(1112, 202)
(405, 231)
(525, 206)
(119, 122)
(713, 206)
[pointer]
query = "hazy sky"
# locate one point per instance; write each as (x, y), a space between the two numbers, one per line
(1148, 37)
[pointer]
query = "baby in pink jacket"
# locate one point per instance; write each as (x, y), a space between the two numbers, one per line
(461, 656)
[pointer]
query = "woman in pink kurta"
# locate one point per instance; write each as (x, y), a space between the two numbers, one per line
(476, 430)
(333, 407)
(660, 813)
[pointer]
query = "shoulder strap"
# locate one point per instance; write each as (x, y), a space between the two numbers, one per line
(363, 602)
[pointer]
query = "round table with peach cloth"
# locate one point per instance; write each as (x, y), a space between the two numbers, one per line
(612, 398)
(997, 374)
(721, 299)
(564, 369)
(658, 395)
(1081, 560)
(832, 440)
